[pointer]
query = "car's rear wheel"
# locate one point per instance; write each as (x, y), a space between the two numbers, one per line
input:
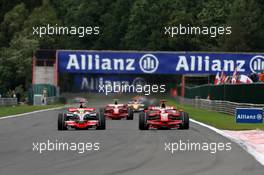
(101, 119)
(130, 114)
(185, 120)
(61, 122)
(142, 121)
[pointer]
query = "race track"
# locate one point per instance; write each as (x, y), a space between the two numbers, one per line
(123, 150)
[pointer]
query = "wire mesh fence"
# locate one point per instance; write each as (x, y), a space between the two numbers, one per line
(8, 101)
(226, 107)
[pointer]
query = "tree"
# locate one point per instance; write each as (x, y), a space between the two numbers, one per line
(42, 16)
(82, 13)
(145, 25)
(114, 25)
(16, 59)
(246, 21)
(213, 13)
(13, 22)
(184, 13)
(16, 63)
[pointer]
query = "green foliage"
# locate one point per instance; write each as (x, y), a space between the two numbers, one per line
(13, 22)
(213, 13)
(114, 25)
(16, 56)
(246, 19)
(41, 16)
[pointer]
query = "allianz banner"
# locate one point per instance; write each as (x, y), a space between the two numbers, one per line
(126, 62)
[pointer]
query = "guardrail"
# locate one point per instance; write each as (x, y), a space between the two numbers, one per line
(52, 100)
(226, 107)
(8, 101)
(40, 100)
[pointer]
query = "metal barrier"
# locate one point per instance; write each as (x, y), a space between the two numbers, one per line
(52, 100)
(239, 93)
(13, 101)
(8, 101)
(226, 107)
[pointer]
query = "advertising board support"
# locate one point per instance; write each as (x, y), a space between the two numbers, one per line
(183, 86)
(56, 74)
(33, 69)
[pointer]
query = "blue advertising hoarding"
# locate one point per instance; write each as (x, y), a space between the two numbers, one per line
(125, 62)
(249, 115)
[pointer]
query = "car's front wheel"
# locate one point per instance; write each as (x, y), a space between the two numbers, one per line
(185, 120)
(61, 122)
(130, 114)
(142, 121)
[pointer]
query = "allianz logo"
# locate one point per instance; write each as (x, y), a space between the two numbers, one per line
(249, 117)
(205, 63)
(148, 63)
(257, 64)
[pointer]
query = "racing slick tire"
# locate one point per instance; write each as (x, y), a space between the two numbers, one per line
(130, 114)
(101, 119)
(101, 110)
(142, 121)
(61, 122)
(185, 120)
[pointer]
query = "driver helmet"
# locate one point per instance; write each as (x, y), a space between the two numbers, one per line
(163, 105)
(81, 105)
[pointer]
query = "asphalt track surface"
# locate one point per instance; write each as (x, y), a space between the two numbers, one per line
(123, 150)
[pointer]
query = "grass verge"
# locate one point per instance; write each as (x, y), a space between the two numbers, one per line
(218, 120)
(19, 109)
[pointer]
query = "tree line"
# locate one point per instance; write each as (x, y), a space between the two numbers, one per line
(124, 25)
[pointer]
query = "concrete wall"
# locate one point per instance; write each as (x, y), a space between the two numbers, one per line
(44, 75)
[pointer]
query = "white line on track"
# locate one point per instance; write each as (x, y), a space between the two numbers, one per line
(258, 156)
(28, 113)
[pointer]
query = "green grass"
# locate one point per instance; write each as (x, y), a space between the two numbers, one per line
(13, 110)
(218, 120)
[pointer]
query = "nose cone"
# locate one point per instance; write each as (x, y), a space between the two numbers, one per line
(116, 111)
(164, 117)
(136, 106)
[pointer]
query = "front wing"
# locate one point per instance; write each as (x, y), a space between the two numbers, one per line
(84, 124)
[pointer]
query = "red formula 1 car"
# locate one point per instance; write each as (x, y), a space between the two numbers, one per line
(117, 111)
(163, 117)
(81, 118)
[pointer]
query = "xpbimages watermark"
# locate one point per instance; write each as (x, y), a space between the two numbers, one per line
(126, 88)
(182, 146)
(51, 146)
(80, 31)
(212, 31)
